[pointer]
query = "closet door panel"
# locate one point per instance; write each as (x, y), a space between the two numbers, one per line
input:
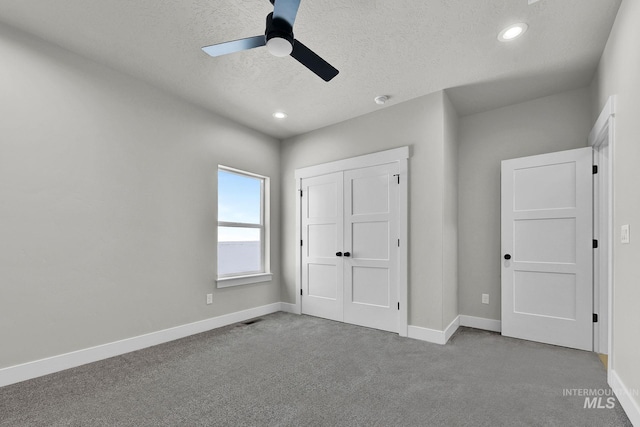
(370, 239)
(322, 235)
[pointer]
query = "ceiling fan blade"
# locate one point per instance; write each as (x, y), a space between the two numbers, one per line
(235, 46)
(287, 10)
(312, 61)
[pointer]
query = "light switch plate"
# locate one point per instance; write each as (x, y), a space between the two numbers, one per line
(624, 234)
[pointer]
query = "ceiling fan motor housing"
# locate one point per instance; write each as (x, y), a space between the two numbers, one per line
(279, 29)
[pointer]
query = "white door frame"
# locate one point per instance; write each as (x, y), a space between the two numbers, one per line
(601, 139)
(396, 155)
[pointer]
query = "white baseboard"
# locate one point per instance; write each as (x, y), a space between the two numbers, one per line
(38, 368)
(26, 371)
(481, 323)
(289, 308)
(433, 335)
(425, 334)
(625, 396)
(451, 329)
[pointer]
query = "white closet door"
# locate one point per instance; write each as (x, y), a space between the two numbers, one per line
(322, 229)
(371, 247)
(547, 248)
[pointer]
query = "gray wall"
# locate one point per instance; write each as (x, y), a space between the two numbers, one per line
(553, 123)
(108, 204)
(618, 74)
(419, 124)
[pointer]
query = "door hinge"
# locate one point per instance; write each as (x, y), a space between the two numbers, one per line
(595, 169)
(595, 318)
(397, 175)
(398, 305)
(595, 244)
(301, 292)
(301, 243)
(300, 193)
(398, 242)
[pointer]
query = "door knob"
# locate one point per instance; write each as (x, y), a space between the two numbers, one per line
(507, 256)
(347, 254)
(338, 253)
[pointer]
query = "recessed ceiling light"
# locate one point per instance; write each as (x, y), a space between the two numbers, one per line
(512, 32)
(280, 115)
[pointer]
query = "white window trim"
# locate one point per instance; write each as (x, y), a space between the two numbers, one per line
(227, 282)
(252, 277)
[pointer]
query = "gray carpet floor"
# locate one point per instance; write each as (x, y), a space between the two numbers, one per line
(288, 370)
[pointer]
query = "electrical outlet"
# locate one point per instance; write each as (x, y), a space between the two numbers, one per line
(209, 298)
(624, 234)
(485, 298)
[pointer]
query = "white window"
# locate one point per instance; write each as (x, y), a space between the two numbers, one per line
(243, 228)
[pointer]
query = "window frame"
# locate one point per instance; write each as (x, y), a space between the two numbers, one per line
(264, 275)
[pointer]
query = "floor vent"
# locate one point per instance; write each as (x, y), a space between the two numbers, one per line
(251, 322)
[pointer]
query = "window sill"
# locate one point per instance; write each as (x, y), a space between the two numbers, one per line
(227, 282)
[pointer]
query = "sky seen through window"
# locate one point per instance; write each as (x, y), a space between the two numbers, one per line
(239, 202)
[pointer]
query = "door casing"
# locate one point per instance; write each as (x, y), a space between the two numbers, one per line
(602, 138)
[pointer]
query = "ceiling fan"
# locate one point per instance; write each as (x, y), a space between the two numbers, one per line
(279, 39)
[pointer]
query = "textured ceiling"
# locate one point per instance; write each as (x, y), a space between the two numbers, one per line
(400, 48)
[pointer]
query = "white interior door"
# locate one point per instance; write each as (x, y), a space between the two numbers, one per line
(349, 223)
(322, 235)
(370, 239)
(547, 248)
